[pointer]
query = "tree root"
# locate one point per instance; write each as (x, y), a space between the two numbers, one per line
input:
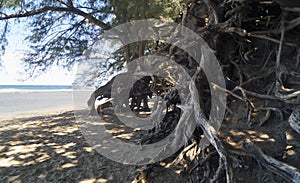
(285, 171)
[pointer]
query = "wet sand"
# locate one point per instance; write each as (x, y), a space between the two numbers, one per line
(20, 104)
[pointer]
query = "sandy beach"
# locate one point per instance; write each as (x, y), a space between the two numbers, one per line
(30, 103)
(51, 148)
(40, 142)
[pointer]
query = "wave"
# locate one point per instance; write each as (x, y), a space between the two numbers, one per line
(33, 88)
(14, 90)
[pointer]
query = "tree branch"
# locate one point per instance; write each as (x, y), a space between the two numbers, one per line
(73, 10)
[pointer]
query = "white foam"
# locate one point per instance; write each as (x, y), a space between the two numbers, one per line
(13, 90)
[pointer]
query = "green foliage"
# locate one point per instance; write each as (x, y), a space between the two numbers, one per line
(126, 10)
(61, 33)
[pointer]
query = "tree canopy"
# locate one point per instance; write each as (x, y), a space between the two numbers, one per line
(60, 31)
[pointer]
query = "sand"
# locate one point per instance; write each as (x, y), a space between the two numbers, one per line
(40, 141)
(30, 103)
(51, 148)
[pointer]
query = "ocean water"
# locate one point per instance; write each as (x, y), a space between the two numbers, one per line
(28, 88)
(17, 100)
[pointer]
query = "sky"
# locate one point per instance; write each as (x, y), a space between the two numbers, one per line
(10, 72)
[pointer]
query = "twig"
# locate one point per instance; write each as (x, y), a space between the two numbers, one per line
(281, 40)
(267, 60)
(270, 39)
(185, 12)
(257, 77)
(183, 152)
(292, 24)
(201, 163)
(248, 103)
(218, 172)
(213, 6)
(268, 113)
(239, 71)
(289, 26)
(298, 58)
(255, 94)
(227, 91)
(292, 9)
(267, 116)
(288, 96)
